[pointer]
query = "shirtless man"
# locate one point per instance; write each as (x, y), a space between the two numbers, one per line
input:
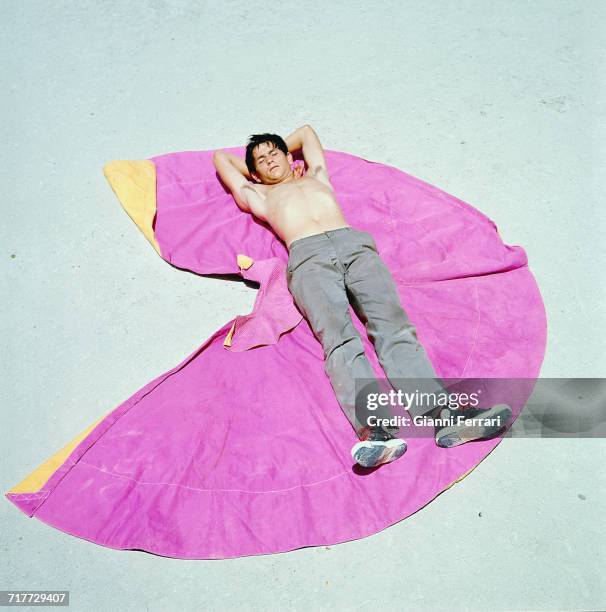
(294, 206)
(330, 263)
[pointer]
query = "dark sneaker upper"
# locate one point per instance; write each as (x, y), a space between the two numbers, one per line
(376, 433)
(464, 424)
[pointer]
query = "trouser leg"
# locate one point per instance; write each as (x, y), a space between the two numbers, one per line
(376, 301)
(318, 289)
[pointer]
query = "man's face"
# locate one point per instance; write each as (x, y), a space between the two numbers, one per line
(272, 165)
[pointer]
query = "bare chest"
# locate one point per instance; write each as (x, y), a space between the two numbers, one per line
(304, 189)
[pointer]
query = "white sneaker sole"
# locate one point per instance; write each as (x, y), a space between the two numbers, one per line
(372, 453)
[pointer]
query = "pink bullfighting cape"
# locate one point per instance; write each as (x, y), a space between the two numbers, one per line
(212, 458)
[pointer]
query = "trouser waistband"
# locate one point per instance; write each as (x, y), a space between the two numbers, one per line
(322, 235)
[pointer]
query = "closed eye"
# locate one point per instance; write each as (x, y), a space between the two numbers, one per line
(262, 157)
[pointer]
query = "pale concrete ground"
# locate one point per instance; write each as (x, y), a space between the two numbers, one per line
(500, 104)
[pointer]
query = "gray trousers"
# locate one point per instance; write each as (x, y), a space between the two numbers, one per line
(325, 273)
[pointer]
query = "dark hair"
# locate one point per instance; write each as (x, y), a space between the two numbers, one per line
(257, 139)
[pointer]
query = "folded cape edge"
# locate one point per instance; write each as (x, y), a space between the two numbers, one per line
(244, 262)
(134, 182)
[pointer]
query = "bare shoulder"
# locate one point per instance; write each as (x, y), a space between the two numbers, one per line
(255, 197)
(254, 192)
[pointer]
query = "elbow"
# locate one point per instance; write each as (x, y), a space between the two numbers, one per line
(221, 154)
(218, 158)
(309, 132)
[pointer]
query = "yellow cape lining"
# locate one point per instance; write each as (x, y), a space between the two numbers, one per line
(134, 182)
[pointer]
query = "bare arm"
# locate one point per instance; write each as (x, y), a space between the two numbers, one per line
(305, 138)
(234, 173)
(238, 162)
(294, 141)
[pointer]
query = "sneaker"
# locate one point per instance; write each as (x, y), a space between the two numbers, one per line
(468, 424)
(378, 448)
